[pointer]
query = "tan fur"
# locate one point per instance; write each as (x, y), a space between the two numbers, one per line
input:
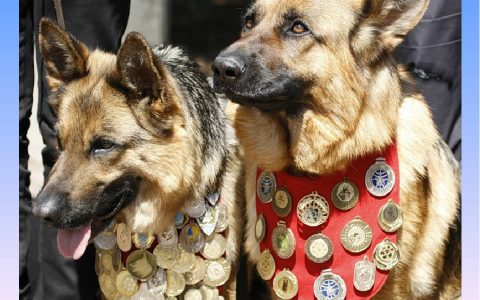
(360, 102)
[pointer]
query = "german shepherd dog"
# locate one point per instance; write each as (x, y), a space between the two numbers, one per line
(140, 134)
(316, 87)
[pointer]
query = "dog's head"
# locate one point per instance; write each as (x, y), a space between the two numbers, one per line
(113, 112)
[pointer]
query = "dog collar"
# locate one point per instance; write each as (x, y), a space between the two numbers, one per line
(332, 237)
(188, 257)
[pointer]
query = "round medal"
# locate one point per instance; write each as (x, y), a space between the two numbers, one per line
(107, 285)
(282, 202)
(285, 285)
(260, 228)
(313, 210)
(386, 255)
(208, 221)
(283, 240)
(319, 248)
(379, 178)
(193, 294)
(266, 186)
(144, 294)
(141, 264)
(197, 273)
(217, 272)
(329, 286)
(210, 292)
(185, 261)
(222, 222)
(175, 283)
(157, 284)
(345, 195)
(390, 217)
(191, 238)
(126, 284)
(364, 275)
(143, 240)
(356, 236)
(124, 237)
(196, 208)
(105, 240)
(266, 265)
(106, 260)
(166, 257)
(214, 247)
(168, 238)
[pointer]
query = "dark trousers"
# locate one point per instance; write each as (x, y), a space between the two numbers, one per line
(44, 273)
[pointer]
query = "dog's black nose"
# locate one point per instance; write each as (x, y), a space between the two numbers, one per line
(228, 68)
(47, 209)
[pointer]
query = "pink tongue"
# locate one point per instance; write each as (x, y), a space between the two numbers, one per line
(72, 243)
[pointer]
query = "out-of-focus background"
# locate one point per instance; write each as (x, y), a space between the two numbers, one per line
(202, 27)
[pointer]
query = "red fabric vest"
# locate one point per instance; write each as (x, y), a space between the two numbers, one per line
(342, 262)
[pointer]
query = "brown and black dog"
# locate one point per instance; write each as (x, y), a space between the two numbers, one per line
(318, 87)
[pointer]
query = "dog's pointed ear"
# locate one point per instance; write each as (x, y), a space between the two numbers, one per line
(385, 24)
(65, 57)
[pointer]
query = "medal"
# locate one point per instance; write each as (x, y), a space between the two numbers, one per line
(126, 284)
(319, 248)
(210, 292)
(196, 208)
(282, 202)
(175, 283)
(197, 273)
(180, 220)
(356, 236)
(222, 222)
(283, 240)
(386, 255)
(144, 294)
(212, 198)
(285, 285)
(105, 240)
(168, 238)
(193, 294)
(141, 264)
(106, 261)
(364, 275)
(260, 228)
(379, 178)
(107, 285)
(191, 238)
(124, 237)
(157, 284)
(313, 210)
(208, 221)
(390, 217)
(217, 272)
(266, 265)
(214, 247)
(345, 195)
(266, 186)
(329, 286)
(185, 261)
(166, 257)
(143, 240)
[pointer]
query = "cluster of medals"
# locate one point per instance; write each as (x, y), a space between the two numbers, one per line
(313, 210)
(186, 261)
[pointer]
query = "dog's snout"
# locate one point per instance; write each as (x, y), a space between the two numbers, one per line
(47, 208)
(228, 68)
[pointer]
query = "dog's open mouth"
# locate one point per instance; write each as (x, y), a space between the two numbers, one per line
(72, 243)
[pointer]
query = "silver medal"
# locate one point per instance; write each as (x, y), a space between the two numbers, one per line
(168, 238)
(196, 208)
(329, 286)
(379, 178)
(157, 284)
(364, 275)
(222, 221)
(105, 240)
(266, 186)
(191, 238)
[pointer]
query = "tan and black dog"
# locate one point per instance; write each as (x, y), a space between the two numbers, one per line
(318, 87)
(141, 135)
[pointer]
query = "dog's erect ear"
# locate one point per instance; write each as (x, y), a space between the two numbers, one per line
(385, 25)
(65, 57)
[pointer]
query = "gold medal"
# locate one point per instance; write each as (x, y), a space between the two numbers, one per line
(390, 217)
(126, 284)
(106, 260)
(214, 247)
(313, 210)
(197, 273)
(283, 240)
(386, 255)
(345, 195)
(124, 237)
(143, 240)
(285, 285)
(319, 248)
(356, 236)
(175, 283)
(380, 178)
(260, 228)
(185, 261)
(107, 285)
(141, 264)
(266, 265)
(266, 186)
(217, 272)
(282, 202)
(166, 257)
(364, 275)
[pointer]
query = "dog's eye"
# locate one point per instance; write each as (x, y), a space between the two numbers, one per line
(100, 146)
(298, 27)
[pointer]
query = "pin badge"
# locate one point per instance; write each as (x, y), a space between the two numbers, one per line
(141, 264)
(285, 284)
(364, 275)
(260, 228)
(345, 195)
(329, 286)
(390, 217)
(191, 238)
(126, 284)
(266, 186)
(283, 240)
(319, 248)
(313, 210)
(214, 247)
(143, 240)
(266, 265)
(217, 272)
(208, 221)
(212, 198)
(157, 284)
(175, 283)
(386, 255)
(282, 202)
(379, 178)
(356, 236)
